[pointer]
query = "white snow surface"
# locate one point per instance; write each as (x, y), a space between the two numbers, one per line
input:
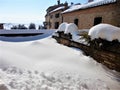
(71, 28)
(105, 31)
(62, 26)
(68, 28)
(46, 65)
(89, 5)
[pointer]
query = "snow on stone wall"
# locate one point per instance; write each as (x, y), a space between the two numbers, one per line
(68, 28)
(71, 28)
(105, 31)
(62, 26)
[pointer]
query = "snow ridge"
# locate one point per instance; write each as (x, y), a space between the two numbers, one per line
(59, 8)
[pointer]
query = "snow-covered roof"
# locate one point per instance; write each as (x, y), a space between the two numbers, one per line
(89, 5)
(105, 31)
(59, 8)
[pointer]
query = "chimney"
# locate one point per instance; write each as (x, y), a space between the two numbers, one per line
(66, 5)
(90, 1)
(58, 1)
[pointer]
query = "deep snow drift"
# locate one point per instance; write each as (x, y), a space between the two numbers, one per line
(46, 65)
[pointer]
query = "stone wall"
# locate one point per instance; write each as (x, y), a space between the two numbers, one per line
(102, 44)
(107, 58)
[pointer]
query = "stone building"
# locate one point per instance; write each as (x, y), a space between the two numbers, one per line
(54, 16)
(87, 15)
(92, 13)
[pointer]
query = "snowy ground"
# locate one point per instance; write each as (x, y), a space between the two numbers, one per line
(43, 64)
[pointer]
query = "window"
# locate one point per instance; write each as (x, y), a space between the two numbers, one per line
(51, 16)
(97, 20)
(56, 25)
(57, 15)
(76, 21)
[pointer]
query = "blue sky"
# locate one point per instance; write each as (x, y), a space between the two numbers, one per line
(27, 11)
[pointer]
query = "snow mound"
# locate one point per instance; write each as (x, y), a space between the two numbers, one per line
(105, 31)
(68, 28)
(71, 28)
(62, 26)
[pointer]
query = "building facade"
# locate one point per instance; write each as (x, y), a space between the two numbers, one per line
(54, 17)
(90, 14)
(88, 17)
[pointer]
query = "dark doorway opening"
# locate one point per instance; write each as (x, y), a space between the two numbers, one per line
(57, 15)
(56, 25)
(97, 20)
(76, 21)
